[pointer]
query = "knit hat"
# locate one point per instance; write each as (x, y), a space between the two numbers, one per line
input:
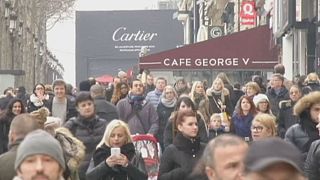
(39, 142)
(259, 98)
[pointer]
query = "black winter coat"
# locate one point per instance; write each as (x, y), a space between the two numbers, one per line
(163, 114)
(179, 158)
(105, 109)
(276, 98)
(168, 132)
(90, 132)
(303, 134)
(312, 164)
(286, 118)
(5, 122)
(101, 171)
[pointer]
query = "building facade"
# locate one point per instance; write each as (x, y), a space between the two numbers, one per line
(24, 57)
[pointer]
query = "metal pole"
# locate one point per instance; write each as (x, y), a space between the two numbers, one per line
(195, 20)
(239, 15)
(12, 51)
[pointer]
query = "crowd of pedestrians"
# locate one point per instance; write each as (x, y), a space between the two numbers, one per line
(253, 130)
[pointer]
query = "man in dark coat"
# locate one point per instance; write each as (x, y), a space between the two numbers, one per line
(87, 127)
(277, 92)
(104, 109)
(21, 125)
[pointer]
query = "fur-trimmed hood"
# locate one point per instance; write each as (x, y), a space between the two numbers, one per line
(74, 150)
(225, 91)
(306, 102)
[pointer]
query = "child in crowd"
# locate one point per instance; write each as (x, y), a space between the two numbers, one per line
(215, 127)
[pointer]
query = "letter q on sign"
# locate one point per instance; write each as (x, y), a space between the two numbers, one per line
(248, 9)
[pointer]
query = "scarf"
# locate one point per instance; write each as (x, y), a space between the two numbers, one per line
(136, 101)
(168, 103)
(197, 99)
(215, 93)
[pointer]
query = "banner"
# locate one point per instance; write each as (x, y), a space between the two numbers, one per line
(248, 13)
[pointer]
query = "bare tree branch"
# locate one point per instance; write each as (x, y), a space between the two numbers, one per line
(54, 10)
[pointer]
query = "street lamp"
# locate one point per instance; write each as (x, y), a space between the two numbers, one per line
(13, 21)
(7, 4)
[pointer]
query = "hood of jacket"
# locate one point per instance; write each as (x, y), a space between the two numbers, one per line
(74, 150)
(306, 102)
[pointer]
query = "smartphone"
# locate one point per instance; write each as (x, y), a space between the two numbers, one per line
(115, 151)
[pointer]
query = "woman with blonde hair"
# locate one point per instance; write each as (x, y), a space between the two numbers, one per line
(200, 100)
(127, 165)
(312, 83)
(252, 89)
(219, 98)
(263, 126)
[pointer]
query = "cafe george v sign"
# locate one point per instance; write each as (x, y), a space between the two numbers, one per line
(244, 50)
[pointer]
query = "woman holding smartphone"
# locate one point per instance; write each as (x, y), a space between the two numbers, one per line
(115, 157)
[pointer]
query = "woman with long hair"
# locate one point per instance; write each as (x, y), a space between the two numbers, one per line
(184, 103)
(127, 165)
(242, 118)
(200, 99)
(219, 98)
(38, 98)
(120, 92)
(15, 107)
(179, 158)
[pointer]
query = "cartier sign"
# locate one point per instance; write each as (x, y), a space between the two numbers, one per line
(122, 34)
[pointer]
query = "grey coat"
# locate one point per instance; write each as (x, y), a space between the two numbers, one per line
(146, 122)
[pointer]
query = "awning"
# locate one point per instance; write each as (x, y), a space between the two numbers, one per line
(249, 49)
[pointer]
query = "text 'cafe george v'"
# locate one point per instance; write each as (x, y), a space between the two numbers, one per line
(250, 51)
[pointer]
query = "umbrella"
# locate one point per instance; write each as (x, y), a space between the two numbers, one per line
(104, 78)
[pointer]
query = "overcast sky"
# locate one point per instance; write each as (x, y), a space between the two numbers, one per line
(61, 39)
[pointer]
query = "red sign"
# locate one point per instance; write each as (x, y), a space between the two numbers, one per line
(235, 51)
(248, 13)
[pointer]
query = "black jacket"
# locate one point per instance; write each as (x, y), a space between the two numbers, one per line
(179, 158)
(163, 114)
(5, 122)
(168, 132)
(275, 98)
(71, 108)
(90, 132)
(312, 164)
(105, 109)
(303, 133)
(101, 171)
(285, 117)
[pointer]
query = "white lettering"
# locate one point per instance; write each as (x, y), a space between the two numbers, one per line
(177, 62)
(245, 61)
(121, 34)
(166, 63)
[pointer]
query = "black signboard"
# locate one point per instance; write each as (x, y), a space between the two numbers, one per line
(107, 41)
